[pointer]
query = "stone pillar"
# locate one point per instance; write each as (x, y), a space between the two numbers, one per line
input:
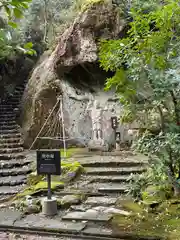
(49, 206)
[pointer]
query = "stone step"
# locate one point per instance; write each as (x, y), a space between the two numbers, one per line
(7, 110)
(13, 180)
(16, 103)
(112, 188)
(7, 156)
(9, 127)
(8, 123)
(89, 215)
(107, 188)
(19, 90)
(11, 140)
(111, 163)
(86, 153)
(114, 171)
(8, 105)
(7, 118)
(7, 131)
(17, 94)
(7, 115)
(10, 135)
(109, 178)
(11, 150)
(16, 98)
(14, 163)
(11, 145)
(10, 190)
(15, 171)
(101, 201)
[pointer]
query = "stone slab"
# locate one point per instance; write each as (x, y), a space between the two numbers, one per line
(101, 179)
(9, 216)
(104, 232)
(41, 222)
(80, 207)
(108, 233)
(111, 210)
(118, 170)
(112, 187)
(101, 201)
(89, 215)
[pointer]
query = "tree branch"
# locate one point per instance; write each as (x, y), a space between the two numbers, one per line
(175, 105)
(162, 118)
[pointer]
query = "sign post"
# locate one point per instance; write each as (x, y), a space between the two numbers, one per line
(114, 125)
(49, 186)
(49, 163)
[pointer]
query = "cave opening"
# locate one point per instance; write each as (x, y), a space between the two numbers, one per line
(87, 76)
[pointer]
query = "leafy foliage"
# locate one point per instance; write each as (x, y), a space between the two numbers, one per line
(12, 10)
(146, 65)
(43, 20)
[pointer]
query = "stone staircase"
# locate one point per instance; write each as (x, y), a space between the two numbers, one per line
(103, 185)
(13, 165)
(108, 175)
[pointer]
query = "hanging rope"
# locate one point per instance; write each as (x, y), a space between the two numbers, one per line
(63, 127)
(32, 145)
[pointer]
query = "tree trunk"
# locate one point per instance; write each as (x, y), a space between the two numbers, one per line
(162, 118)
(176, 187)
(176, 110)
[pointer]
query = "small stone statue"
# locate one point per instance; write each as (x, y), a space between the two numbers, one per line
(96, 117)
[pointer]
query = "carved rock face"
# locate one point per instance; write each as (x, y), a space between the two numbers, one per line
(72, 70)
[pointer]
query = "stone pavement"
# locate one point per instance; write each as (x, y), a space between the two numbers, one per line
(66, 224)
(13, 236)
(103, 184)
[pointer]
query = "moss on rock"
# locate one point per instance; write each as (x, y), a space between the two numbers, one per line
(68, 200)
(33, 178)
(54, 185)
(26, 208)
(156, 194)
(83, 5)
(131, 206)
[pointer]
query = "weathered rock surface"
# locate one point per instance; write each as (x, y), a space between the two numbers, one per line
(73, 71)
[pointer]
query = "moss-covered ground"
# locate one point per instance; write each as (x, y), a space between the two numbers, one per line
(161, 220)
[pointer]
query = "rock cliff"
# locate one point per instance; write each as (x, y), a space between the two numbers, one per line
(72, 71)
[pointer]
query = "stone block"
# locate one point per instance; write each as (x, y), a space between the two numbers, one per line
(9, 216)
(102, 232)
(42, 222)
(98, 145)
(101, 201)
(89, 215)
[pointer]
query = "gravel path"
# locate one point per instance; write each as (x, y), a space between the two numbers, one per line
(12, 236)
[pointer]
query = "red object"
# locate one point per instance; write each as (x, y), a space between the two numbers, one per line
(178, 123)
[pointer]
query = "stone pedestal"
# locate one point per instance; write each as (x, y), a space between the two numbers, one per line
(49, 206)
(118, 147)
(97, 145)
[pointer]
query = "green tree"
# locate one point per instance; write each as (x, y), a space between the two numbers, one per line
(11, 11)
(147, 78)
(43, 19)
